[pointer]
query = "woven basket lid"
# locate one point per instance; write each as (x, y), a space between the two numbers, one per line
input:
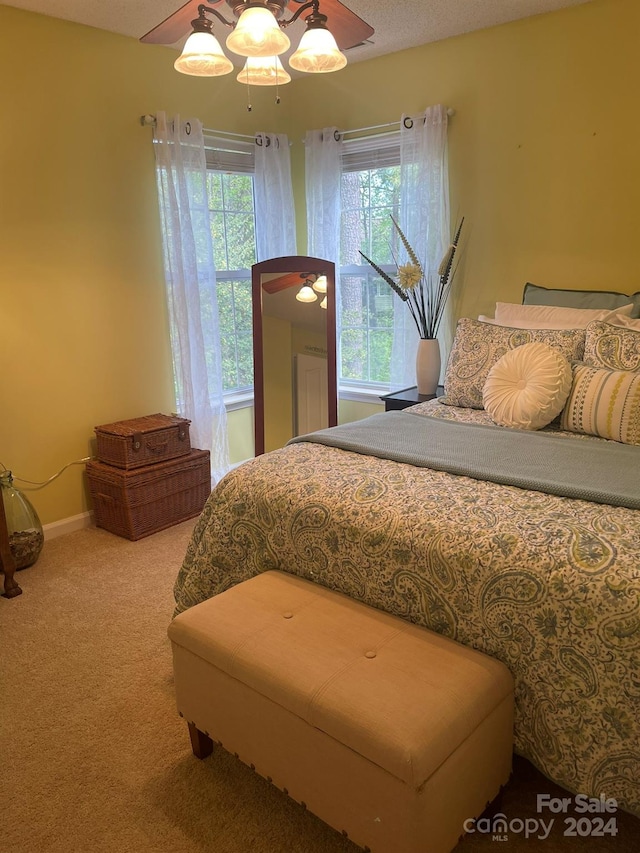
(148, 423)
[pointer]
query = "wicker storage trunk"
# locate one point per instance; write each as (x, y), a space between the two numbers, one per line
(138, 503)
(143, 441)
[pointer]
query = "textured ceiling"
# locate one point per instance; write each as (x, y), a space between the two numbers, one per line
(398, 24)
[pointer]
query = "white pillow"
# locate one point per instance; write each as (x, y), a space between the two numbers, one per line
(552, 317)
(623, 321)
(528, 387)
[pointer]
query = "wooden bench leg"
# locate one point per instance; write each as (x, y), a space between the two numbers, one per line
(201, 743)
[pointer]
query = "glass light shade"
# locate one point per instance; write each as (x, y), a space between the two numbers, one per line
(264, 71)
(257, 34)
(317, 53)
(202, 56)
(323, 304)
(320, 284)
(306, 294)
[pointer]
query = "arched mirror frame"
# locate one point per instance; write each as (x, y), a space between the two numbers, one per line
(291, 264)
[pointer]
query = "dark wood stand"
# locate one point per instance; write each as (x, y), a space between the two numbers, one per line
(407, 397)
(11, 588)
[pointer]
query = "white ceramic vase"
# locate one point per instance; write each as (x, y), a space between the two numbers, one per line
(428, 365)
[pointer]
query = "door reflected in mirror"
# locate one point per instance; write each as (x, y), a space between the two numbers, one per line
(294, 349)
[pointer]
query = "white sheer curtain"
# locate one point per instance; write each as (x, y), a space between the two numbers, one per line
(273, 193)
(425, 220)
(323, 174)
(191, 284)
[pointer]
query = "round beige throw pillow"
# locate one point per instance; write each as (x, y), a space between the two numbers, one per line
(528, 387)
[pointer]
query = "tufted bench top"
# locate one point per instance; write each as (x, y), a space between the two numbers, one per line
(401, 696)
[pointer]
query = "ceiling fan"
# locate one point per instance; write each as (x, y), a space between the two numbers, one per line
(347, 28)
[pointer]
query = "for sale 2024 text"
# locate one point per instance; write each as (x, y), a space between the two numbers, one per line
(582, 822)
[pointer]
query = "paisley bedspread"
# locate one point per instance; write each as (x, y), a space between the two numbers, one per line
(549, 585)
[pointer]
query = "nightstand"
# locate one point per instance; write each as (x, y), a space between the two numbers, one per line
(407, 397)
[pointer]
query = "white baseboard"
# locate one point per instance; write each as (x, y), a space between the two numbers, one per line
(67, 525)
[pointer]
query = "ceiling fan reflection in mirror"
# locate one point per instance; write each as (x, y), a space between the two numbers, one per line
(258, 34)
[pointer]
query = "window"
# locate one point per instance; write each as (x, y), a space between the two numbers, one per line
(370, 191)
(230, 167)
(370, 195)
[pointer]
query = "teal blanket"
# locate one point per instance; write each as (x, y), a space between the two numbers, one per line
(599, 471)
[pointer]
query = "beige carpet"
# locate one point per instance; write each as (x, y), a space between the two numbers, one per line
(93, 756)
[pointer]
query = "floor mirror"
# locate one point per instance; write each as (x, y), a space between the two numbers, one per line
(294, 348)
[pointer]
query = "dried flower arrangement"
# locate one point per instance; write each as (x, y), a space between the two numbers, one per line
(426, 297)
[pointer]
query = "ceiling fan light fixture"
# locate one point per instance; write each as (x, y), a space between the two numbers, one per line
(257, 29)
(257, 33)
(202, 56)
(320, 284)
(306, 294)
(263, 71)
(323, 304)
(318, 52)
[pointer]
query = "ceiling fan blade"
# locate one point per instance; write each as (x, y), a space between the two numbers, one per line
(347, 28)
(282, 282)
(176, 26)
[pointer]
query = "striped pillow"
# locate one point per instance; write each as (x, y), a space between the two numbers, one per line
(604, 402)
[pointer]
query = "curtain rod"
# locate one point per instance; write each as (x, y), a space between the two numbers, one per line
(150, 120)
(450, 112)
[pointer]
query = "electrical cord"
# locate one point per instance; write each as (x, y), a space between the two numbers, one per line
(33, 486)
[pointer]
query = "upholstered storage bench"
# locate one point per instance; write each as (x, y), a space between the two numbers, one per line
(389, 732)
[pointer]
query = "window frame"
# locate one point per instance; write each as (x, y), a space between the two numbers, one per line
(366, 153)
(236, 157)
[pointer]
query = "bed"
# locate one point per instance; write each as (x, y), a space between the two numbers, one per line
(547, 582)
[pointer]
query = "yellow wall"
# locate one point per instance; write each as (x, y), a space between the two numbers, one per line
(351, 410)
(84, 326)
(241, 435)
(281, 340)
(543, 163)
(307, 341)
(278, 395)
